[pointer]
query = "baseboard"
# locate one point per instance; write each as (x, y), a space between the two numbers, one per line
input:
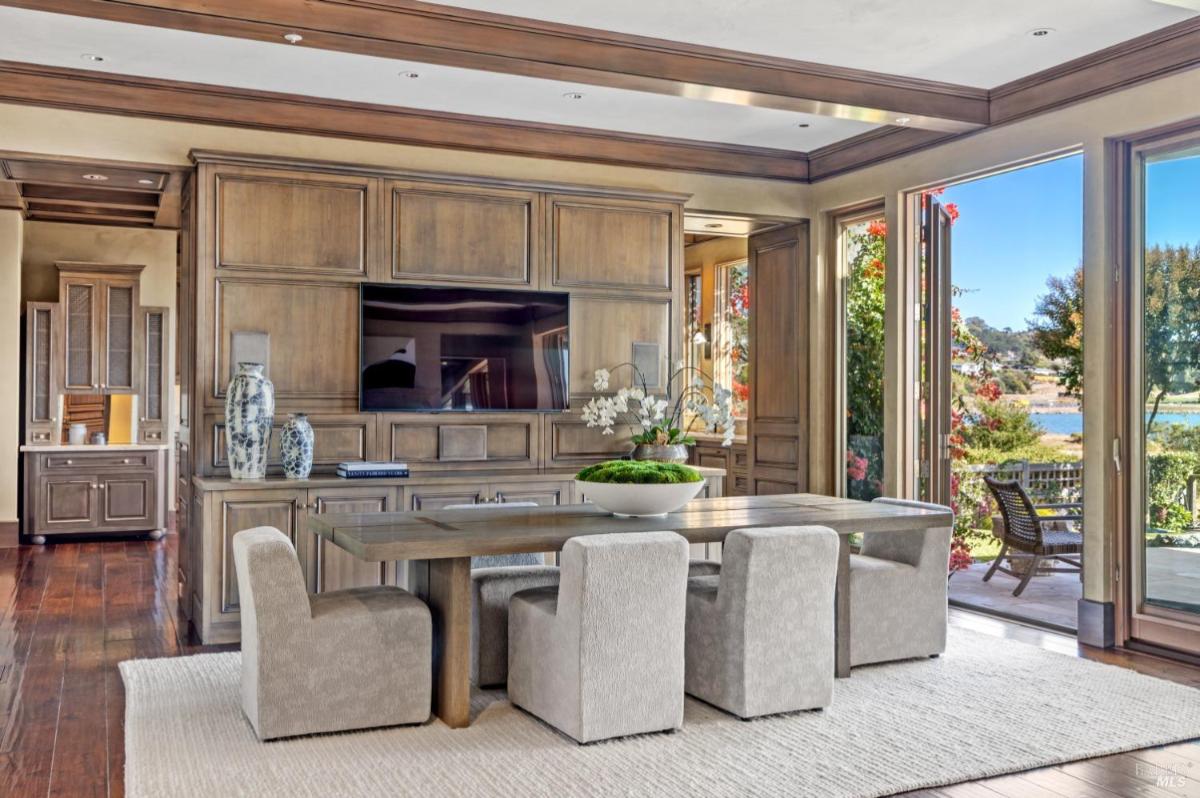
(1097, 623)
(10, 534)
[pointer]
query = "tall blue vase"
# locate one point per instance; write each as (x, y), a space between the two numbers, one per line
(249, 410)
(296, 447)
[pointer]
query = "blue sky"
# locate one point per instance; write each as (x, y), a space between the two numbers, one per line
(1014, 230)
(1018, 228)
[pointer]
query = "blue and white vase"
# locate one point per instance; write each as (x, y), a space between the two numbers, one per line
(249, 410)
(296, 447)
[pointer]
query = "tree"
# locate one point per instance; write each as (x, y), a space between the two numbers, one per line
(1058, 328)
(1171, 323)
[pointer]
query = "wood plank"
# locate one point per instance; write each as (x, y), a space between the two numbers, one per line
(422, 33)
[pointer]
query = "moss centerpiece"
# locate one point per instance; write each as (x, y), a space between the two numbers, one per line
(639, 488)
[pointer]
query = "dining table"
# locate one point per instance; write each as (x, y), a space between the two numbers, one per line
(443, 542)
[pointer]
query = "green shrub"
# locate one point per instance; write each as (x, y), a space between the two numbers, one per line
(1034, 453)
(1167, 477)
(1014, 381)
(639, 472)
(1001, 425)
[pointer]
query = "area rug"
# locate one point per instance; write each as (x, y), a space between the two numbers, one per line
(988, 706)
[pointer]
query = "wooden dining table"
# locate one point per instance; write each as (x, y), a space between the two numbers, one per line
(447, 539)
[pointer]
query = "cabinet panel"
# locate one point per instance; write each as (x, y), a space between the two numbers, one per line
(68, 503)
(120, 350)
(512, 440)
(127, 501)
(436, 498)
(42, 424)
(544, 494)
(453, 233)
(81, 300)
(282, 509)
(604, 243)
(312, 329)
(293, 222)
(571, 442)
(336, 438)
(603, 334)
(331, 567)
(154, 376)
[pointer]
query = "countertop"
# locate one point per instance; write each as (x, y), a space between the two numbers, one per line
(92, 447)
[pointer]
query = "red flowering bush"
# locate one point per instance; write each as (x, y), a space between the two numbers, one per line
(856, 467)
(960, 555)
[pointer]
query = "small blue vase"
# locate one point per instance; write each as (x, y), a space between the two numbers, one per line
(296, 447)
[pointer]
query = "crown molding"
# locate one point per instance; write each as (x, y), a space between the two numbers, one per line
(456, 37)
(193, 102)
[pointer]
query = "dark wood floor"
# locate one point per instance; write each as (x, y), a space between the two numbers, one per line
(70, 613)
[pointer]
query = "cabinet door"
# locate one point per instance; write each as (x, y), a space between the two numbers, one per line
(81, 326)
(128, 500)
(604, 243)
(544, 494)
(42, 425)
(331, 567)
(237, 510)
(67, 504)
(120, 345)
(152, 376)
(434, 498)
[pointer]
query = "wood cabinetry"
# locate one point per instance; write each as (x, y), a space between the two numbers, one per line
(43, 340)
(154, 378)
(607, 243)
(102, 348)
(734, 460)
(331, 568)
(71, 491)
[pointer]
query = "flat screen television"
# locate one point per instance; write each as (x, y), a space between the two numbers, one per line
(431, 349)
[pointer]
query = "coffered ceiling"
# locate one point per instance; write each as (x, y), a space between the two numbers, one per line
(788, 89)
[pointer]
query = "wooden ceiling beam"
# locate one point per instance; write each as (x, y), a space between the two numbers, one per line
(424, 33)
(193, 102)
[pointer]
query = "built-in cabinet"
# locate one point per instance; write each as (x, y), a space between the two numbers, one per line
(102, 347)
(732, 459)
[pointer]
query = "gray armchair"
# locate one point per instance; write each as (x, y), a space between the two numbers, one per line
(494, 580)
(898, 592)
(348, 659)
(602, 655)
(760, 635)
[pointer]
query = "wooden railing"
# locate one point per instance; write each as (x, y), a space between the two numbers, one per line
(1042, 481)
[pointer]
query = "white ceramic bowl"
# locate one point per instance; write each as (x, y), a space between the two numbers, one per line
(632, 500)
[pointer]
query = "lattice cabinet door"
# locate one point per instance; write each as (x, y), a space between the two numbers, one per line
(120, 349)
(154, 374)
(81, 297)
(43, 424)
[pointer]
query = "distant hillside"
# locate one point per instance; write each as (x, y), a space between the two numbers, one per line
(1015, 347)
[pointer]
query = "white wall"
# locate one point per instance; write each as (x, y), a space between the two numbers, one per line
(10, 360)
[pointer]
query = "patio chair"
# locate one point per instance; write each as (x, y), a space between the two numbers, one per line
(1028, 533)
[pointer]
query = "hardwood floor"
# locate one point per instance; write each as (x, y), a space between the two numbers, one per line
(70, 613)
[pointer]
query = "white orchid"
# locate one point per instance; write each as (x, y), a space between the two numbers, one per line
(601, 383)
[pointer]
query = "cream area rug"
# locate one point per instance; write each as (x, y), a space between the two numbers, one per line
(988, 706)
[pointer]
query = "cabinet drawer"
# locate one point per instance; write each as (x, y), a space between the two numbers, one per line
(77, 461)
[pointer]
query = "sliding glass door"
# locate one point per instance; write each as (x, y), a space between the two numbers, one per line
(1164, 394)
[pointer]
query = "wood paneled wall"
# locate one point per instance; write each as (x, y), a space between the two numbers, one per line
(279, 247)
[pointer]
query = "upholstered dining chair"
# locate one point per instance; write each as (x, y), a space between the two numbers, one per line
(602, 655)
(898, 592)
(347, 659)
(494, 579)
(760, 635)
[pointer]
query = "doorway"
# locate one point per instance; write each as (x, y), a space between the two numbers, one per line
(999, 423)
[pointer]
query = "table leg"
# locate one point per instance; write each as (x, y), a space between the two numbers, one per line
(842, 612)
(449, 600)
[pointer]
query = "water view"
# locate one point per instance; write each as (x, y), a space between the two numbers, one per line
(1072, 423)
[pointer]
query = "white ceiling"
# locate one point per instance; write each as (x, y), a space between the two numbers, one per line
(981, 43)
(61, 40)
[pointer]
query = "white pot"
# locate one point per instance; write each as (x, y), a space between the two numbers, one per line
(626, 500)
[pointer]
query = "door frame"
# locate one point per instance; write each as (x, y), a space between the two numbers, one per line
(1158, 630)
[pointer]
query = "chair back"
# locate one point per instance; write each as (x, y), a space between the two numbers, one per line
(271, 585)
(500, 560)
(920, 548)
(1021, 524)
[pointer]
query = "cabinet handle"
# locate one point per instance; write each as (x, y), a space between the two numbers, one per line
(126, 461)
(68, 461)
(95, 486)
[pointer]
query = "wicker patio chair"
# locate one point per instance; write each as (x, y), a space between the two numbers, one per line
(1026, 534)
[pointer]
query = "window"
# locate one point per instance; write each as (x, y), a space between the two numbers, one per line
(732, 335)
(863, 252)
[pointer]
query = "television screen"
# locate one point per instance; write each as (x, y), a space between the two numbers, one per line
(462, 349)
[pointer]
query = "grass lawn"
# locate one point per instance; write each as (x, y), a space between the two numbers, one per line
(985, 550)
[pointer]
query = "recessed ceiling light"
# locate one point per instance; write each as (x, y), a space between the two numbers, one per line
(903, 120)
(802, 124)
(714, 225)
(293, 38)
(410, 75)
(95, 177)
(573, 95)
(96, 59)
(145, 181)
(1041, 32)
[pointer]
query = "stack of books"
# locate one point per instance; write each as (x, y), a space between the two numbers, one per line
(372, 470)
